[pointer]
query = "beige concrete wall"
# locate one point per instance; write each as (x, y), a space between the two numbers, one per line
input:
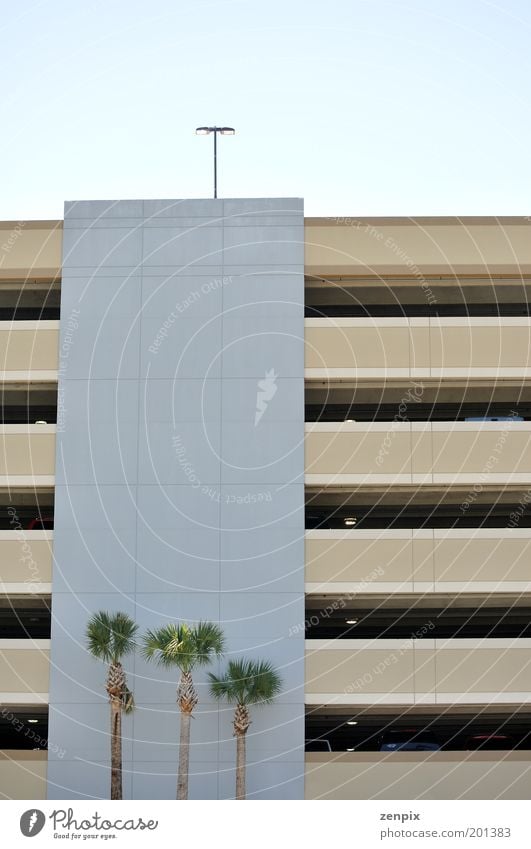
(378, 343)
(23, 774)
(25, 558)
(333, 246)
(418, 671)
(30, 250)
(418, 775)
(488, 343)
(27, 451)
(465, 453)
(24, 668)
(351, 670)
(433, 560)
(371, 559)
(402, 246)
(471, 669)
(29, 346)
(418, 347)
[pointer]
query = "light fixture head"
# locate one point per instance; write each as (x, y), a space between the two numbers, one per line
(352, 722)
(350, 521)
(41, 421)
(33, 721)
(350, 750)
(351, 621)
(203, 131)
(227, 131)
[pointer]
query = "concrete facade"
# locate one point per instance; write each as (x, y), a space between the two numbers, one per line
(179, 479)
(176, 470)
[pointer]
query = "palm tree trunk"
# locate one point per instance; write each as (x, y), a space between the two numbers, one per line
(187, 700)
(240, 766)
(116, 749)
(184, 756)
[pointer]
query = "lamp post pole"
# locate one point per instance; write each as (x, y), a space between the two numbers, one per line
(206, 131)
(215, 162)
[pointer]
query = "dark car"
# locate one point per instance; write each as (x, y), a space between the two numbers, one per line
(494, 419)
(409, 740)
(41, 523)
(494, 741)
(318, 745)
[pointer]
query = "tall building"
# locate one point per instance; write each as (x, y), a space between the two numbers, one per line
(314, 432)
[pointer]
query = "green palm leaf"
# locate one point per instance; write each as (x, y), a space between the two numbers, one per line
(184, 646)
(246, 682)
(111, 636)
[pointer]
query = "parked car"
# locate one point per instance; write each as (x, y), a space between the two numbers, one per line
(500, 742)
(409, 740)
(41, 523)
(318, 745)
(494, 419)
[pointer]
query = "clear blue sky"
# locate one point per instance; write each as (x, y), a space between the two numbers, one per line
(363, 107)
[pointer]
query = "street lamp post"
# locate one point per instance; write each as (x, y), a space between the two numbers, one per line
(225, 131)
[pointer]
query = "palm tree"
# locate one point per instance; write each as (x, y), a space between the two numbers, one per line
(245, 683)
(186, 647)
(110, 636)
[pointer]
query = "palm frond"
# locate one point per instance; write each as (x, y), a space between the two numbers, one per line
(110, 636)
(222, 687)
(246, 682)
(163, 644)
(209, 642)
(124, 631)
(183, 646)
